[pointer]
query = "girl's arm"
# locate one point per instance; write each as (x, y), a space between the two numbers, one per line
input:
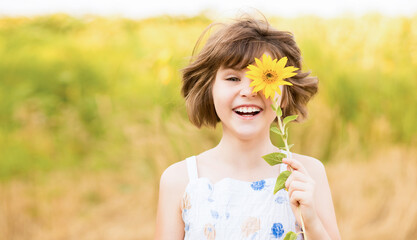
(169, 223)
(309, 191)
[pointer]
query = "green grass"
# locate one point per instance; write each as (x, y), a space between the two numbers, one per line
(70, 87)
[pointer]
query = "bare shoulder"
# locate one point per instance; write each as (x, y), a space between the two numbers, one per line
(313, 166)
(175, 177)
(171, 189)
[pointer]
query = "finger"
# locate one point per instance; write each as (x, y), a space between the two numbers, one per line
(296, 176)
(295, 164)
(289, 180)
(296, 198)
(299, 176)
(296, 186)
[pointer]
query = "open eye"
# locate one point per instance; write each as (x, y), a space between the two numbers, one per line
(234, 79)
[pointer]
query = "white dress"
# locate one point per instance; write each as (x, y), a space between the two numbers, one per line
(235, 209)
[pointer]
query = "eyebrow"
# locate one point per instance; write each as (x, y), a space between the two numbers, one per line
(232, 69)
(229, 71)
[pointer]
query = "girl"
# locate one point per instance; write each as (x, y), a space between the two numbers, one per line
(227, 192)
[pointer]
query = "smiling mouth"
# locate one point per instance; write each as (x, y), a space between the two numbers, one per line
(248, 113)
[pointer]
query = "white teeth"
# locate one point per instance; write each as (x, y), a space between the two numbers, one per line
(248, 109)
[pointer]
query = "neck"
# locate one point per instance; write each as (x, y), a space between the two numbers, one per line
(244, 153)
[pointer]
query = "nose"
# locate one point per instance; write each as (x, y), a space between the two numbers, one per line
(246, 90)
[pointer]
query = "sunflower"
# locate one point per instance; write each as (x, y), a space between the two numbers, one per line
(269, 74)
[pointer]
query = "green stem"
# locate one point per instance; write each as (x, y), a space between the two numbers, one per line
(281, 127)
(302, 223)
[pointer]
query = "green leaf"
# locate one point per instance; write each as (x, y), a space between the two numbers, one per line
(276, 130)
(279, 111)
(289, 119)
(280, 184)
(290, 236)
(273, 107)
(274, 158)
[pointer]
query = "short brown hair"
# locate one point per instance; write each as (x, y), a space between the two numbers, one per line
(236, 45)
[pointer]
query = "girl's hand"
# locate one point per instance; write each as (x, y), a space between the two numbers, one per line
(301, 189)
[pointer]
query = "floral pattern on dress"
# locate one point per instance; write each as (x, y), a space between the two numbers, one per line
(185, 207)
(209, 231)
(280, 200)
(250, 226)
(259, 185)
(185, 204)
(233, 209)
(210, 199)
(214, 214)
(277, 230)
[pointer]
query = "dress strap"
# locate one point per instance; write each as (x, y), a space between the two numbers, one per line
(192, 168)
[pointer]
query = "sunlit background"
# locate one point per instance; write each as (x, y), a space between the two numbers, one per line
(91, 112)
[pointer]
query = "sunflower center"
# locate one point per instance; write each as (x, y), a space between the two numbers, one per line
(269, 76)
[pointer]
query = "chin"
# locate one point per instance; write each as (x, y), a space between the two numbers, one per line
(248, 134)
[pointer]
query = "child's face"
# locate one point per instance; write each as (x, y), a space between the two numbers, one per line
(231, 92)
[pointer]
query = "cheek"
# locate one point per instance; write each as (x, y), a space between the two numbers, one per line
(271, 116)
(269, 112)
(220, 100)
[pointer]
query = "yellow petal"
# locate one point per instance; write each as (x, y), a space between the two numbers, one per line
(258, 62)
(282, 62)
(269, 92)
(254, 68)
(254, 78)
(279, 72)
(285, 83)
(266, 94)
(259, 87)
(279, 91)
(255, 83)
(291, 69)
(287, 75)
(272, 95)
(288, 72)
(268, 62)
(254, 72)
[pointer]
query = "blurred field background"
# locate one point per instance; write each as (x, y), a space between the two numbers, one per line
(91, 115)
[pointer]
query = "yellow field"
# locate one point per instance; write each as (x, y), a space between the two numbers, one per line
(91, 114)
